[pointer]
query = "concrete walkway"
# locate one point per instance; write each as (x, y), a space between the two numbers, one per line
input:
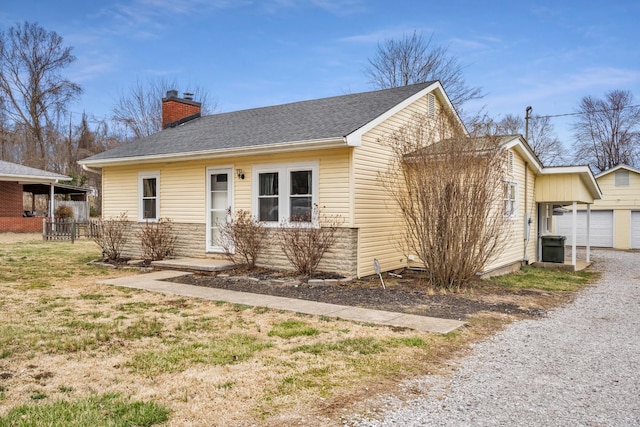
(155, 282)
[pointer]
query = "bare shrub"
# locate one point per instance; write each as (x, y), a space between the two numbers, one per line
(64, 212)
(242, 239)
(157, 239)
(305, 243)
(448, 188)
(111, 235)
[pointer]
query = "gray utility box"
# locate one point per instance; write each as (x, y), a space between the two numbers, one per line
(553, 248)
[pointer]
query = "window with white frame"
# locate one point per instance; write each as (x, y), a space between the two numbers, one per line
(510, 199)
(285, 192)
(148, 193)
(268, 196)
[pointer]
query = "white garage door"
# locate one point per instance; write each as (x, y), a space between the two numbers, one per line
(601, 228)
(635, 230)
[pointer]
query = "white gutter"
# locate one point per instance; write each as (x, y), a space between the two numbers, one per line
(221, 153)
(34, 179)
(90, 169)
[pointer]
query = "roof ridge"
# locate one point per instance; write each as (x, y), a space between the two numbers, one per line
(327, 98)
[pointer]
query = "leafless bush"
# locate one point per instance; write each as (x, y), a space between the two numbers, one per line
(111, 235)
(243, 238)
(64, 212)
(449, 191)
(305, 243)
(157, 239)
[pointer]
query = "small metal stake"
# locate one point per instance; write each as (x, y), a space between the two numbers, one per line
(376, 267)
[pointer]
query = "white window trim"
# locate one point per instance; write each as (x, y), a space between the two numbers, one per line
(514, 212)
(142, 176)
(284, 170)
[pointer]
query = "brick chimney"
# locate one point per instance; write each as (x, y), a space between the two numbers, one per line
(176, 110)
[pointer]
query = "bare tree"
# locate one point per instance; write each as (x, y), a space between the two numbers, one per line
(31, 60)
(140, 108)
(542, 137)
(607, 131)
(413, 59)
(449, 194)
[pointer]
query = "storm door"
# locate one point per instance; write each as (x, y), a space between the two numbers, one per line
(219, 205)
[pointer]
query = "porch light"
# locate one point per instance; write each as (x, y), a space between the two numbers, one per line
(239, 173)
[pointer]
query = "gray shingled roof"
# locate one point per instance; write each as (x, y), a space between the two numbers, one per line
(9, 169)
(325, 118)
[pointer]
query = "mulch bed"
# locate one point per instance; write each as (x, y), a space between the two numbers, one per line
(407, 294)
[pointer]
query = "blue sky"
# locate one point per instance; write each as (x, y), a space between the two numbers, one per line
(547, 54)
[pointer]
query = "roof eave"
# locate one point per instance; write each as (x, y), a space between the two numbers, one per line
(221, 153)
(521, 146)
(584, 171)
(34, 179)
(354, 139)
(617, 167)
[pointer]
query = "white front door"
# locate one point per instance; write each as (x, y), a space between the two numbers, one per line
(219, 204)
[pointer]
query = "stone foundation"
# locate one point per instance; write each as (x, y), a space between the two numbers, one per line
(341, 259)
(191, 240)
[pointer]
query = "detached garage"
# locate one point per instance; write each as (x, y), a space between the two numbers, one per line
(601, 228)
(621, 195)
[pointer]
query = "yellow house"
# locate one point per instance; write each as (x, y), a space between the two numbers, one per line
(279, 161)
(615, 219)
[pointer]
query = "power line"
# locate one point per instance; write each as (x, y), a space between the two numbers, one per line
(587, 112)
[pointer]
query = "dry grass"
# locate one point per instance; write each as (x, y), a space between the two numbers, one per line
(62, 336)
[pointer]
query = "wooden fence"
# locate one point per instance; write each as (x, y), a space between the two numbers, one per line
(68, 230)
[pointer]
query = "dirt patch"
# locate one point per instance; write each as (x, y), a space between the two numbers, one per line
(409, 293)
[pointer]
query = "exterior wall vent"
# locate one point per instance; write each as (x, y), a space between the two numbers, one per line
(431, 105)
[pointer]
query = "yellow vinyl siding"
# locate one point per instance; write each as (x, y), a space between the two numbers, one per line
(613, 197)
(120, 192)
(562, 188)
(513, 249)
(183, 184)
(622, 200)
(375, 215)
(532, 210)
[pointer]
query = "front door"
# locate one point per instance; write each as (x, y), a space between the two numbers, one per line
(219, 205)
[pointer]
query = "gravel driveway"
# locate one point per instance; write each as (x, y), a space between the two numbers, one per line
(579, 366)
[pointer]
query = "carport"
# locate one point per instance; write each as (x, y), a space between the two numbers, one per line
(17, 179)
(565, 187)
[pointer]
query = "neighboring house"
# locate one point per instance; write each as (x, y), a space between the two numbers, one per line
(615, 219)
(15, 181)
(278, 161)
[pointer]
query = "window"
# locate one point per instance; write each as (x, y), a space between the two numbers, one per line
(301, 197)
(622, 178)
(268, 200)
(149, 203)
(510, 199)
(286, 191)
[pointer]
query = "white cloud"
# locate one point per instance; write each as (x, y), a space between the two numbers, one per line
(341, 7)
(384, 34)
